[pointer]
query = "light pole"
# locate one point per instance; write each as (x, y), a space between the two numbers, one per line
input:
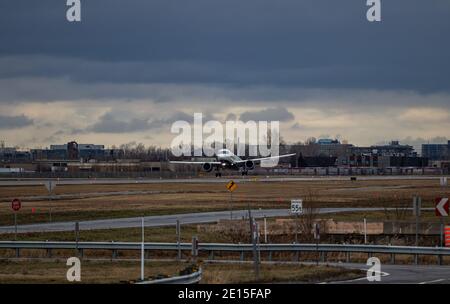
(142, 251)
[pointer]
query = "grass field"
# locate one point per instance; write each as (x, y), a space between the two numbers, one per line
(174, 198)
(180, 198)
(167, 234)
(35, 271)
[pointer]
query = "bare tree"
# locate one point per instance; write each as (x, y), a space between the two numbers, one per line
(310, 215)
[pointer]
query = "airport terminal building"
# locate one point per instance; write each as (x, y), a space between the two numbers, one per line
(436, 151)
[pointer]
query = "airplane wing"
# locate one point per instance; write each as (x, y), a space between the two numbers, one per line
(195, 162)
(266, 158)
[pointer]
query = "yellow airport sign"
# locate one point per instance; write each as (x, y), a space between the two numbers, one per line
(231, 186)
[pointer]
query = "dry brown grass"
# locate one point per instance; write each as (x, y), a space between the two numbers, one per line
(195, 197)
(35, 271)
(224, 274)
(28, 271)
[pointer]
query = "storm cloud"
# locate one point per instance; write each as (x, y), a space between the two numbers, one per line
(108, 123)
(271, 114)
(133, 67)
(285, 43)
(14, 122)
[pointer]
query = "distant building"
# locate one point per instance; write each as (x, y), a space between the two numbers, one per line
(327, 141)
(393, 149)
(330, 152)
(14, 155)
(436, 151)
(89, 151)
(316, 161)
(73, 151)
(407, 161)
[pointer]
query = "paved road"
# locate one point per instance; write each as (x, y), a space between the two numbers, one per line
(404, 274)
(99, 181)
(390, 274)
(163, 220)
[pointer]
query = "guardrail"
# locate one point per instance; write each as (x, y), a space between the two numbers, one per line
(192, 278)
(219, 247)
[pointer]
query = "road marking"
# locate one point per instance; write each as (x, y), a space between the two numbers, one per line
(382, 273)
(431, 282)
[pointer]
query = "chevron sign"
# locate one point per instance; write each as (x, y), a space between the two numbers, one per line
(442, 206)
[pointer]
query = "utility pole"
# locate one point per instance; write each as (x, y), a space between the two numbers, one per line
(178, 239)
(365, 231)
(15, 225)
(265, 229)
(50, 185)
(15, 205)
(50, 205)
(231, 186)
(194, 248)
(142, 251)
(442, 227)
(417, 205)
(77, 234)
(253, 239)
(317, 238)
(231, 205)
(257, 241)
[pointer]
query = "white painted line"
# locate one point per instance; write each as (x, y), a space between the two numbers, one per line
(431, 282)
(383, 274)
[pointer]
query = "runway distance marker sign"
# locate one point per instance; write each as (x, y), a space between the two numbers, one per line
(297, 206)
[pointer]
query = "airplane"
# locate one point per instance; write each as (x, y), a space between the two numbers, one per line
(225, 159)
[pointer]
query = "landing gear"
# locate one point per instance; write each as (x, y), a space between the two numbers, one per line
(218, 174)
(244, 173)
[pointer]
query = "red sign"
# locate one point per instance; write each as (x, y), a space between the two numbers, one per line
(16, 204)
(442, 206)
(447, 236)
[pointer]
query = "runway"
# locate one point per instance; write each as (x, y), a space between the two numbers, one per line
(164, 220)
(238, 179)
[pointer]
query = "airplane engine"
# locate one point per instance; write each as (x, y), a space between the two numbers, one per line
(249, 165)
(207, 167)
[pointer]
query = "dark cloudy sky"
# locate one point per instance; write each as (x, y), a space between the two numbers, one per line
(131, 68)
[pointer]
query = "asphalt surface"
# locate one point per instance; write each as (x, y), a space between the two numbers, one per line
(389, 274)
(403, 274)
(99, 181)
(163, 220)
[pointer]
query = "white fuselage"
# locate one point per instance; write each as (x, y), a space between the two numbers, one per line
(227, 157)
